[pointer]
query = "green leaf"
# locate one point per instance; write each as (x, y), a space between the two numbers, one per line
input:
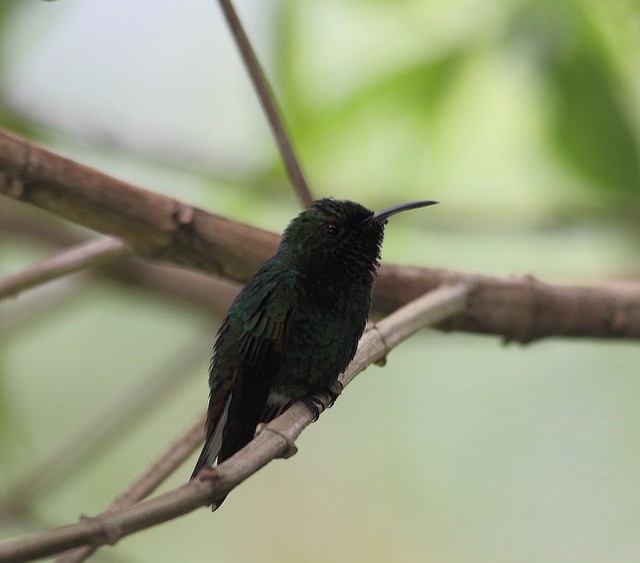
(591, 121)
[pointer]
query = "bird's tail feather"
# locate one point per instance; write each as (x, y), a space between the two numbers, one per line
(213, 442)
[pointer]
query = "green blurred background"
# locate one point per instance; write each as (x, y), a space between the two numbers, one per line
(520, 116)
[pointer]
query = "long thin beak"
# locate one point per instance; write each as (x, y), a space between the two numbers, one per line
(386, 213)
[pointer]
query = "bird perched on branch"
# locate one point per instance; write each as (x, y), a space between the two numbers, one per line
(295, 326)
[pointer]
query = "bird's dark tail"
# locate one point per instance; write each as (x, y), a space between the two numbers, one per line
(213, 441)
(210, 452)
(215, 449)
(202, 461)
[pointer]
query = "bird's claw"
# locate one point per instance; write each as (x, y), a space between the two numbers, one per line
(334, 392)
(315, 405)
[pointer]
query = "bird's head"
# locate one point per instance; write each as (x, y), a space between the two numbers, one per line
(335, 233)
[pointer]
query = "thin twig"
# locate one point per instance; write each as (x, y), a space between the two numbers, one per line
(428, 310)
(145, 483)
(85, 255)
(20, 314)
(269, 104)
(94, 436)
(424, 310)
(197, 288)
(276, 440)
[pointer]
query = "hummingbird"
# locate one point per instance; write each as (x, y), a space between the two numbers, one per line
(295, 326)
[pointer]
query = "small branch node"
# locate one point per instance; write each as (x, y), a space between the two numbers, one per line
(383, 360)
(110, 532)
(290, 447)
(13, 186)
(208, 473)
(212, 475)
(12, 182)
(335, 390)
(24, 172)
(183, 215)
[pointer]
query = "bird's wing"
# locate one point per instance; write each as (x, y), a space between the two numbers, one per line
(247, 356)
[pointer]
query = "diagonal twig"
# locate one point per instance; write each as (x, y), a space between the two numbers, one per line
(276, 440)
(210, 293)
(440, 304)
(21, 315)
(145, 483)
(116, 419)
(269, 104)
(85, 255)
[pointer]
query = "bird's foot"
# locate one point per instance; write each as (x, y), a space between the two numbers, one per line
(315, 405)
(334, 392)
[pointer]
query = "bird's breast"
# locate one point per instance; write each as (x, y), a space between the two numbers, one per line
(323, 339)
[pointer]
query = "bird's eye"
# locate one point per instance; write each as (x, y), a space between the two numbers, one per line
(331, 229)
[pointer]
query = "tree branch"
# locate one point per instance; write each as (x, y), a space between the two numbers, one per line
(276, 439)
(155, 226)
(203, 291)
(145, 483)
(518, 308)
(86, 255)
(20, 316)
(269, 104)
(113, 421)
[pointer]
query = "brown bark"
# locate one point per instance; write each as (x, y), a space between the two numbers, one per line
(159, 227)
